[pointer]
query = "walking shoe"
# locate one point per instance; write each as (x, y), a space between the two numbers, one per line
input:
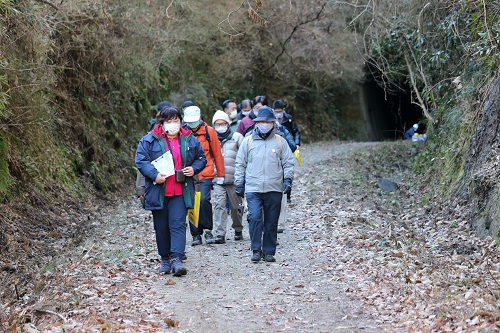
(196, 240)
(238, 235)
(164, 266)
(177, 268)
(280, 230)
(220, 239)
(209, 238)
(269, 258)
(256, 256)
(184, 257)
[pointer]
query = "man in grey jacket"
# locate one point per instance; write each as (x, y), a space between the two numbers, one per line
(264, 171)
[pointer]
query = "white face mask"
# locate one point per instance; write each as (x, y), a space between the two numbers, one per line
(233, 114)
(256, 113)
(221, 128)
(279, 115)
(265, 127)
(245, 113)
(171, 128)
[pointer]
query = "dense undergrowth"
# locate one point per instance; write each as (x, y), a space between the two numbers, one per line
(79, 81)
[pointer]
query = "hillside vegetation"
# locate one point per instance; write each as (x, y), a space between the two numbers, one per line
(79, 81)
(447, 53)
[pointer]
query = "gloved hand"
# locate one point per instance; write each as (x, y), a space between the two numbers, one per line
(240, 190)
(287, 186)
(219, 180)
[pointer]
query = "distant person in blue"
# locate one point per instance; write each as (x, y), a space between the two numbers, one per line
(286, 120)
(409, 133)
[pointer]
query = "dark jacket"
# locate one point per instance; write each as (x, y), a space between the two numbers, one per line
(152, 146)
(409, 134)
(291, 126)
(282, 131)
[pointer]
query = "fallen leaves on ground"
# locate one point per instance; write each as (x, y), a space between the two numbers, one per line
(412, 267)
(419, 268)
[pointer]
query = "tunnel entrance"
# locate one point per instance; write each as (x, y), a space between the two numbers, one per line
(387, 113)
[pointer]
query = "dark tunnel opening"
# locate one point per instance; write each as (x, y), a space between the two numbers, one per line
(388, 112)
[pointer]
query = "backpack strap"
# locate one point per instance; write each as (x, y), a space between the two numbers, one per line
(276, 136)
(278, 141)
(249, 142)
(207, 137)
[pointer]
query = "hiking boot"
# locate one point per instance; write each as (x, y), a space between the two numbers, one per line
(256, 256)
(238, 235)
(177, 268)
(196, 240)
(220, 239)
(280, 230)
(269, 258)
(164, 266)
(209, 238)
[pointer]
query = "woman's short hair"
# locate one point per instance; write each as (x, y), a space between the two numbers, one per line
(168, 113)
(260, 99)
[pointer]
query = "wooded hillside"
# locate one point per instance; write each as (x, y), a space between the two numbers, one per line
(79, 81)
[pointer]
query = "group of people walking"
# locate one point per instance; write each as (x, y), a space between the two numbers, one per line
(246, 152)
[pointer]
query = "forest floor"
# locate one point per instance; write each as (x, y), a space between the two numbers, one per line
(352, 258)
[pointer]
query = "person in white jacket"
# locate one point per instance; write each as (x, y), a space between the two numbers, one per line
(264, 172)
(230, 141)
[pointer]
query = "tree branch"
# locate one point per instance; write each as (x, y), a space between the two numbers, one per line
(421, 102)
(229, 22)
(295, 28)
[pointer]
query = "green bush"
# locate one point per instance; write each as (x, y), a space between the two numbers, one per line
(4, 169)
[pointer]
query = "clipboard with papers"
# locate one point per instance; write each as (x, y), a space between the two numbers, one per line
(165, 164)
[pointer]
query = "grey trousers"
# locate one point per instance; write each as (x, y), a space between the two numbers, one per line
(219, 195)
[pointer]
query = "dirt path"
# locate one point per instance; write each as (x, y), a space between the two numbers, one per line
(225, 292)
(352, 259)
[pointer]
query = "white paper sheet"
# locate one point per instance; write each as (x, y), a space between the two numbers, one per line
(165, 164)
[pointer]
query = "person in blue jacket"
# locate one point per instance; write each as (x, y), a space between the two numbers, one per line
(286, 120)
(409, 133)
(168, 198)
